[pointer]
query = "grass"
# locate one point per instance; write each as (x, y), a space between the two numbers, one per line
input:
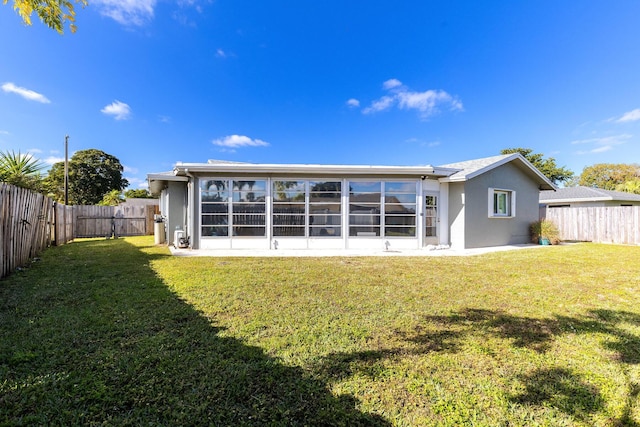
(104, 332)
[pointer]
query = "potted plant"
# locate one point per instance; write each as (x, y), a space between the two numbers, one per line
(544, 232)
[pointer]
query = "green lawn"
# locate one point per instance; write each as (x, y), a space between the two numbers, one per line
(118, 332)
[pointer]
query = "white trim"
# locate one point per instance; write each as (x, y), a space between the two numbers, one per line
(511, 194)
(461, 176)
(306, 170)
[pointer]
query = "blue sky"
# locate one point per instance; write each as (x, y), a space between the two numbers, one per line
(358, 82)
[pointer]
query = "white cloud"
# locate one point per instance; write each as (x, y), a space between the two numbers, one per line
(427, 103)
(353, 103)
(630, 116)
(51, 160)
(127, 12)
(422, 143)
(25, 93)
(119, 110)
(221, 53)
(602, 144)
(128, 169)
(391, 83)
(4, 132)
(381, 104)
(237, 141)
(137, 182)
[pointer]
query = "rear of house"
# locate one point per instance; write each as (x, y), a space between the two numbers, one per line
(226, 205)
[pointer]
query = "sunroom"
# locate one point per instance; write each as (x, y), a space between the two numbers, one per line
(248, 206)
(228, 205)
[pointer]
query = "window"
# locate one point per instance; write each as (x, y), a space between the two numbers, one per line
(502, 203)
(400, 209)
(214, 197)
(248, 208)
(364, 208)
(289, 213)
(307, 208)
(382, 208)
(325, 208)
(232, 207)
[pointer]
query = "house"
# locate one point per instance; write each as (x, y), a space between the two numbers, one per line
(229, 205)
(587, 197)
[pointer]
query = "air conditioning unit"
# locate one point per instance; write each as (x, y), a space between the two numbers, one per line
(180, 240)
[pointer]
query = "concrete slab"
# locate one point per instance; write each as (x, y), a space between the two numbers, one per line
(344, 252)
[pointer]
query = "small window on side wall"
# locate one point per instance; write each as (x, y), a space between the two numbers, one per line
(502, 203)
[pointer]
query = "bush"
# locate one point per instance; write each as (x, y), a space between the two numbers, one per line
(544, 229)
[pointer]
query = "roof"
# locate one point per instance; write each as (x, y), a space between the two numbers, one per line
(453, 172)
(308, 169)
(157, 181)
(472, 168)
(586, 194)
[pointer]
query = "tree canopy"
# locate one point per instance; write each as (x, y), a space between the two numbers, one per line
(610, 176)
(112, 198)
(21, 170)
(92, 174)
(138, 193)
(547, 167)
(53, 13)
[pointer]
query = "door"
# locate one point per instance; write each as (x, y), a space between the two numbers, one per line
(431, 219)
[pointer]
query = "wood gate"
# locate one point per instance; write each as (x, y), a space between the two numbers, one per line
(105, 221)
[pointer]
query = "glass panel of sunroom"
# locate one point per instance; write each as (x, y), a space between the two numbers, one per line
(215, 231)
(288, 191)
(215, 208)
(288, 231)
(400, 187)
(355, 231)
(249, 231)
(325, 231)
(357, 187)
(215, 219)
(400, 231)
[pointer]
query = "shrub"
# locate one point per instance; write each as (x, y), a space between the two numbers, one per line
(544, 229)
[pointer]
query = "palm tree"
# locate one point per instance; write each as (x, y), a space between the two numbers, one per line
(21, 170)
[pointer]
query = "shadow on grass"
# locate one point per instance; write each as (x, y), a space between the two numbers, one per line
(90, 335)
(561, 389)
(556, 387)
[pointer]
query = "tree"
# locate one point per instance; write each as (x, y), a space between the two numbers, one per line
(609, 175)
(632, 186)
(21, 170)
(53, 13)
(92, 174)
(112, 198)
(547, 167)
(139, 193)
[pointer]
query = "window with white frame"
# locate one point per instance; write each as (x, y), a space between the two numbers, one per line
(502, 203)
(232, 208)
(382, 208)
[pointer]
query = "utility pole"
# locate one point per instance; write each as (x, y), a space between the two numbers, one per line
(66, 170)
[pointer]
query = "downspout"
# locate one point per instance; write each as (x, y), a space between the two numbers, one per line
(190, 220)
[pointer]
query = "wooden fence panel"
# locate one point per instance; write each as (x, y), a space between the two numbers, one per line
(610, 224)
(27, 226)
(31, 222)
(128, 220)
(63, 224)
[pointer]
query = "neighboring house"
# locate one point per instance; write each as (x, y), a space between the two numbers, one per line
(587, 197)
(228, 205)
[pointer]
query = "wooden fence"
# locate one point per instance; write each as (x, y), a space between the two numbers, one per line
(31, 222)
(122, 220)
(615, 224)
(27, 226)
